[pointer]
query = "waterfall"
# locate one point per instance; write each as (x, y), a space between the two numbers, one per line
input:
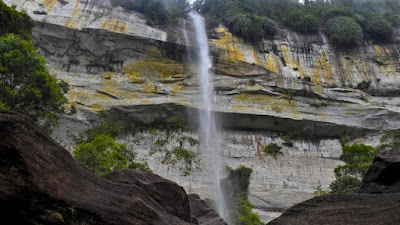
(208, 131)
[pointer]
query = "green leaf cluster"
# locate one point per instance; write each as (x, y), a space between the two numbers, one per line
(344, 31)
(358, 159)
(25, 84)
(372, 19)
(12, 21)
(301, 21)
(273, 150)
(103, 155)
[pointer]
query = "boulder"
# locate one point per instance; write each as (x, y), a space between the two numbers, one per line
(354, 209)
(384, 174)
(202, 213)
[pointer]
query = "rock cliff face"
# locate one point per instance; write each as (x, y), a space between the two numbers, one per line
(119, 66)
(41, 184)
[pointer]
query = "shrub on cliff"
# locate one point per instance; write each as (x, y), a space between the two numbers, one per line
(378, 28)
(301, 21)
(251, 27)
(236, 187)
(103, 155)
(344, 31)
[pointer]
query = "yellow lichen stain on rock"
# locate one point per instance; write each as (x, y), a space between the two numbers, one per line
(145, 101)
(387, 51)
(299, 69)
(322, 117)
(104, 24)
(256, 59)
(49, 4)
(76, 8)
(271, 64)
(378, 50)
(393, 70)
(259, 101)
(239, 108)
(326, 68)
(154, 66)
(316, 79)
(176, 89)
(229, 44)
(286, 56)
(278, 67)
(149, 88)
(114, 25)
(276, 108)
(107, 75)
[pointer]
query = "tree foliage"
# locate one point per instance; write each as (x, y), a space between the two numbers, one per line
(358, 159)
(301, 21)
(12, 21)
(103, 155)
(309, 17)
(344, 31)
(25, 84)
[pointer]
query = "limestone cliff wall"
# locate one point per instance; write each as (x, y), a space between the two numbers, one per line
(118, 65)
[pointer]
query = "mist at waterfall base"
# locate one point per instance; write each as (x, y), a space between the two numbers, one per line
(208, 131)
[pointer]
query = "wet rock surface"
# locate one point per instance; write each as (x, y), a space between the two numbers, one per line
(41, 184)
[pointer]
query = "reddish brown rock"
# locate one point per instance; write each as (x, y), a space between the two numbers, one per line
(41, 184)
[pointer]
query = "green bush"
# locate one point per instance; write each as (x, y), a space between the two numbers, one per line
(301, 21)
(25, 84)
(378, 28)
(236, 191)
(251, 27)
(103, 155)
(344, 31)
(358, 159)
(345, 185)
(273, 150)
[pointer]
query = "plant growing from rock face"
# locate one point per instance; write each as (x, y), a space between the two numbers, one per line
(273, 150)
(236, 187)
(103, 155)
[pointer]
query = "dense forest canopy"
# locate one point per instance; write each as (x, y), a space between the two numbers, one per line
(346, 21)
(254, 20)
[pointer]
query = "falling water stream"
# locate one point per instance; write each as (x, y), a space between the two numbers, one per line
(208, 131)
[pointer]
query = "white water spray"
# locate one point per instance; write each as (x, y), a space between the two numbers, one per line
(207, 121)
